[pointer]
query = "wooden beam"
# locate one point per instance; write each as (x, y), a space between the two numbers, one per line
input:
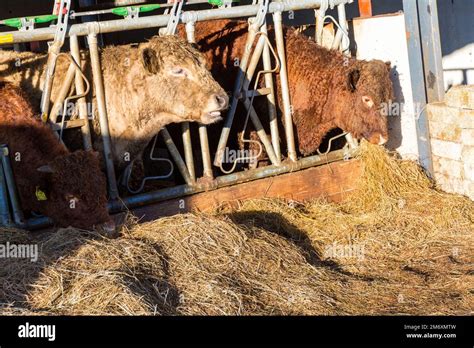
(365, 8)
(334, 182)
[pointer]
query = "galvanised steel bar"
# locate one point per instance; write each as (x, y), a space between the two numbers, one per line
(5, 218)
(272, 112)
(102, 111)
(227, 180)
(53, 52)
(342, 39)
(235, 97)
(62, 94)
(11, 187)
(431, 44)
(257, 54)
(222, 181)
(343, 44)
(178, 160)
(418, 82)
(319, 16)
(203, 136)
(80, 89)
(85, 29)
(188, 149)
(285, 92)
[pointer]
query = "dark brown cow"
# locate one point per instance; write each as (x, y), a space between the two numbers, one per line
(328, 90)
(67, 187)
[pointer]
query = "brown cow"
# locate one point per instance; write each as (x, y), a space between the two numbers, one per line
(328, 90)
(147, 86)
(67, 187)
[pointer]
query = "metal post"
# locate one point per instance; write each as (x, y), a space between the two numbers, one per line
(272, 113)
(11, 186)
(53, 52)
(365, 8)
(319, 15)
(418, 83)
(188, 149)
(341, 40)
(285, 92)
(203, 136)
(80, 89)
(235, 98)
(5, 218)
(176, 156)
(102, 110)
(257, 54)
(431, 44)
(63, 92)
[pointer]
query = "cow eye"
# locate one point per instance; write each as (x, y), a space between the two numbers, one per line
(179, 72)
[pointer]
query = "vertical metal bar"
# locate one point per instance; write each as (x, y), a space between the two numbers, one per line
(48, 82)
(235, 98)
(319, 16)
(290, 137)
(80, 89)
(272, 113)
(257, 54)
(188, 149)
(431, 45)
(365, 8)
(63, 92)
(11, 186)
(203, 136)
(186, 132)
(102, 110)
(341, 40)
(5, 218)
(176, 156)
(418, 83)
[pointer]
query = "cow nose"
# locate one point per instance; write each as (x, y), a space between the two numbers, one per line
(222, 100)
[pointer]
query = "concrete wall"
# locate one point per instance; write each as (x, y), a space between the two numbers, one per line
(452, 140)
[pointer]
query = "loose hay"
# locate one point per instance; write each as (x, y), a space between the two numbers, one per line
(397, 246)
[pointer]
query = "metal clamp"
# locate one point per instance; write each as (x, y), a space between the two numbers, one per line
(128, 171)
(174, 17)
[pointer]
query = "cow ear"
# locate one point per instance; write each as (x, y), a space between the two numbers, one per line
(45, 169)
(352, 79)
(150, 60)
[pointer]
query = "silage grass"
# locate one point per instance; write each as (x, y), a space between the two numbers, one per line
(413, 254)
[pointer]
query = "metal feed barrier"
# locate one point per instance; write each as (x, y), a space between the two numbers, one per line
(175, 12)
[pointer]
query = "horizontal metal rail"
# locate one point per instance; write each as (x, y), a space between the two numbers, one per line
(219, 182)
(83, 29)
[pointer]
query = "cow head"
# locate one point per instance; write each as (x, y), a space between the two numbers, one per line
(368, 89)
(183, 87)
(76, 194)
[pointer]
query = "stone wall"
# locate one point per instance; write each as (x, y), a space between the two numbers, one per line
(452, 140)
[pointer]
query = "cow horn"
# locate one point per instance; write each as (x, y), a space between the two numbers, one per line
(46, 169)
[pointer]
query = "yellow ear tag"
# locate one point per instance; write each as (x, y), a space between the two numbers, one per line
(40, 195)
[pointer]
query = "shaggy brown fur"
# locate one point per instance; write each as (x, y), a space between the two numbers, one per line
(147, 86)
(326, 87)
(76, 176)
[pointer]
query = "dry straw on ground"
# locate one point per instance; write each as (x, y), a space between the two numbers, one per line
(397, 246)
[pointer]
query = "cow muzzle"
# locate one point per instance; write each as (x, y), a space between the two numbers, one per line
(218, 103)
